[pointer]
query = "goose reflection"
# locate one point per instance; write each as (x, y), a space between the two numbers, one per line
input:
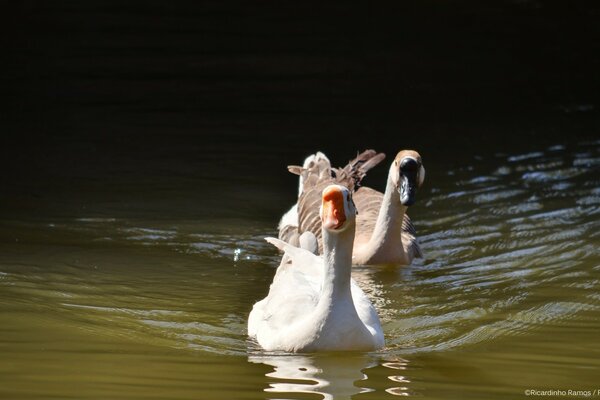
(398, 377)
(328, 375)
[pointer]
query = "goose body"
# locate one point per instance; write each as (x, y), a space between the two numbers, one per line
(319, 165)
(313, 304)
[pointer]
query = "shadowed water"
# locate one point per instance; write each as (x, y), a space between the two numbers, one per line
(506, 298)
(143, 155)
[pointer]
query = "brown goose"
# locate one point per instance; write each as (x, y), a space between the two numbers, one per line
(384, 232)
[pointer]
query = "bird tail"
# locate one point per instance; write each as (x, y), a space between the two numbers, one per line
(286, 247)
(356, 169)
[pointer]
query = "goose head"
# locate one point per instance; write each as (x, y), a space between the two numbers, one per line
(338, 211)
(407, 173)
(318, 161)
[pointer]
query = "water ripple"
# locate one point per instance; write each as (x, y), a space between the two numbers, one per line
(500, 266)
(509, 249)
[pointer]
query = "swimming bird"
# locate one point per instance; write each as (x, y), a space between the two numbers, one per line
(313, 303)
(384, 232)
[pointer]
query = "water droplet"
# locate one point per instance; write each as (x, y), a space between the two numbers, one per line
(236, 254)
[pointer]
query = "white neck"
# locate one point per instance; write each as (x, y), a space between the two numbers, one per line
(337, 260)
(337, 322)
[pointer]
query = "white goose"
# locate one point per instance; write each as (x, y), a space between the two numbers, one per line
(384, 232)
(313, 304)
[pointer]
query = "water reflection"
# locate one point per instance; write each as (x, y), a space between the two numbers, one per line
(499, 249)
(328, 375)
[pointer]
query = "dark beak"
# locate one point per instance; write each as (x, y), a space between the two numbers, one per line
(409, 170)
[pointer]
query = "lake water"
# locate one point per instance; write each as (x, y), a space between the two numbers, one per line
(154, 306)
(143, 160)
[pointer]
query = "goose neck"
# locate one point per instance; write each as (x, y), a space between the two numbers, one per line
(337, 258)
(388, 227)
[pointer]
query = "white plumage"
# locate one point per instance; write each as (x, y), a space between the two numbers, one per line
(313, 304)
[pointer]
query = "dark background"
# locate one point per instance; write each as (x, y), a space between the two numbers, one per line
(106, 102)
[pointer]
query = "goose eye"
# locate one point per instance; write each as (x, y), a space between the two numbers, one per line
(349, 199)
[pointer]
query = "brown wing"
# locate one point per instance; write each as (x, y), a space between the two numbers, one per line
(289, 233)
(368, 202)
(353, 173)
(409, 238)
(350, 176)
(317, 170)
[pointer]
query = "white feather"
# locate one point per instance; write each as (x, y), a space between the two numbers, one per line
(292, 317)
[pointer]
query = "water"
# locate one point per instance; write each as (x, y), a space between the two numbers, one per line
(152, 306)
(143, 159)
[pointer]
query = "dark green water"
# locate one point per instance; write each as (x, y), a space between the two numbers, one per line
(505, 300)
(143, 160)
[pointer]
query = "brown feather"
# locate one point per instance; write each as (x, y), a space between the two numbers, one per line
(317, 177)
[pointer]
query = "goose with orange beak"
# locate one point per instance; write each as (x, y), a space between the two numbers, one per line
(313, 303)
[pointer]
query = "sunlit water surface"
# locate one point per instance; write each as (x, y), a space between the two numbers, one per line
(506, 299)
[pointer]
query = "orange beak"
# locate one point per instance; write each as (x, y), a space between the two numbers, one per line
(333, 208)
